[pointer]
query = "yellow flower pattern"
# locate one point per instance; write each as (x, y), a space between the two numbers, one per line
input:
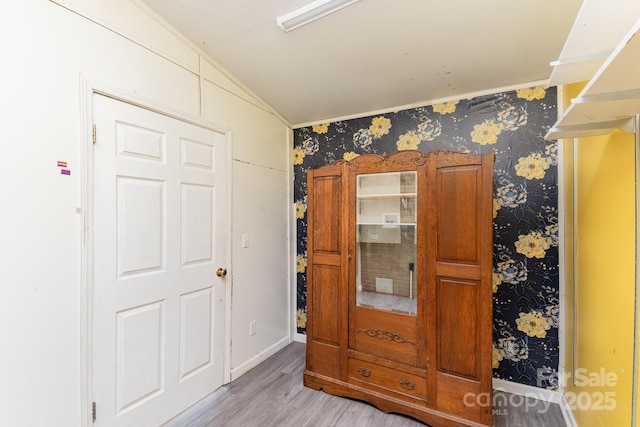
(486, 133)
(321, 128)
(533, 324)
(301, 210)
(301, 318)
(497, 280)
(380, 126)
(301, 263)
(298, 156)
(532, 166)
(496, 207)
(531, 93)
(408, 141)
(532, 245)
(445, 108)
(350, 155)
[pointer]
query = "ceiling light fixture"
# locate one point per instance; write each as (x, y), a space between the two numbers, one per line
(314, 10)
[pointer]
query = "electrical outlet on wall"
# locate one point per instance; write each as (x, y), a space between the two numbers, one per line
(252, 327)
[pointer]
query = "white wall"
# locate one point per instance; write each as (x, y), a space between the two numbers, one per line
(47, 49)
(261, 203)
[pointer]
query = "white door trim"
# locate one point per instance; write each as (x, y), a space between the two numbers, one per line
(89, 88)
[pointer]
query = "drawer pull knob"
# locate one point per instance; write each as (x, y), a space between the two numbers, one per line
(407, 385)
(364, 372)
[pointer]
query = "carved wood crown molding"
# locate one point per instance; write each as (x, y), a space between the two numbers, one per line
(335, 164)
(386, 334)
(416, 157)
(446, 157)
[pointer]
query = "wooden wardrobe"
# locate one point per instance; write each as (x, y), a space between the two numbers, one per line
(399, 278)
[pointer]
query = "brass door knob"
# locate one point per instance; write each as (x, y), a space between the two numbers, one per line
(221, 272)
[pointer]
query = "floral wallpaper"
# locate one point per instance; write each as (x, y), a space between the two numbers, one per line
(525, 204)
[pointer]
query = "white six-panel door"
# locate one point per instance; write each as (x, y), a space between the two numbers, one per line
(159, 237)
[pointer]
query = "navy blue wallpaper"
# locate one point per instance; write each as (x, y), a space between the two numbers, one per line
(525, 277)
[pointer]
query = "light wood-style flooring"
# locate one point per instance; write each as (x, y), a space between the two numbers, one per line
(272, 394)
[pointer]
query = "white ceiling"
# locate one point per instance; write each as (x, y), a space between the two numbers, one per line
(375, 55)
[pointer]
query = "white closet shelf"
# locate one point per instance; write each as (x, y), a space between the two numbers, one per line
(597, 30)
(611, 99)
(578, 68)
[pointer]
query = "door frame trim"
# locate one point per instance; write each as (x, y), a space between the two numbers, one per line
(88, 89)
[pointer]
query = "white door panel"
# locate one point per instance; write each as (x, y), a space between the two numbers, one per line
(159, 236)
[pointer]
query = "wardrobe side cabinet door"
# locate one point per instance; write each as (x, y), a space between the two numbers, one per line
(463, 248)
(326, 271)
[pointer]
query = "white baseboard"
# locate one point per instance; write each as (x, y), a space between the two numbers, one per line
(540, 394)
(567, 414)
(527, 390)
(258, 358)
(300, 338)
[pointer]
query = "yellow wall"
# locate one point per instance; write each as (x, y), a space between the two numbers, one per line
(599, 389)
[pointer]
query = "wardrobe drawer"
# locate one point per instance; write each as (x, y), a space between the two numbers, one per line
(388, 379)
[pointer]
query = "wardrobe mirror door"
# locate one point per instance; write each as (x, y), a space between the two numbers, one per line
(386, 241)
